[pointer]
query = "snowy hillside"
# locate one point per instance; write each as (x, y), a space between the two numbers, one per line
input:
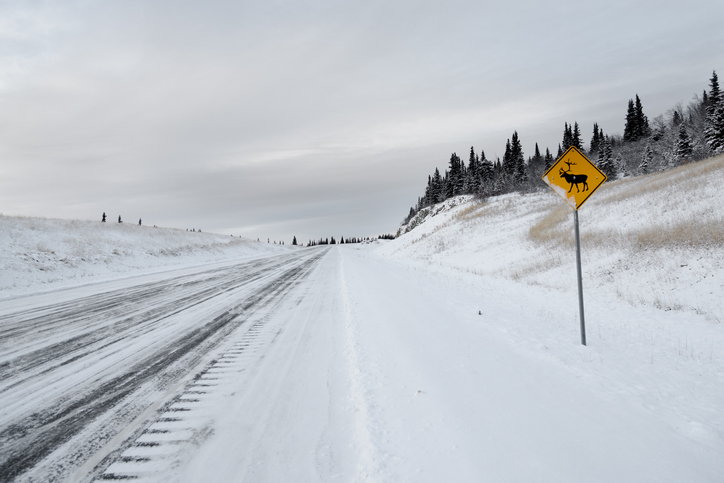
(655, 240)
(653, 278)
(39, 253)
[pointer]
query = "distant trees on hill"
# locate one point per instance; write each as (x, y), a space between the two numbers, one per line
(681, 135)
(342, 240)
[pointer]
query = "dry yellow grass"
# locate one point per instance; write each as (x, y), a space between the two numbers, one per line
(691, 233)
(686, 177)
(472, 211)
(554, 227)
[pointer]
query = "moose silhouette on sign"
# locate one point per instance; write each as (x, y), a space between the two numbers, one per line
(574, 179)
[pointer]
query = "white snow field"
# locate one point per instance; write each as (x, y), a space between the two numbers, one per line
(39, 253)
(449, 354)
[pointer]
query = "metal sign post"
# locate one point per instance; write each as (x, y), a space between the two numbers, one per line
(580, 279)
(574, 170)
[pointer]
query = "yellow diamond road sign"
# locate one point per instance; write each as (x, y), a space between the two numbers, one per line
(574, 177)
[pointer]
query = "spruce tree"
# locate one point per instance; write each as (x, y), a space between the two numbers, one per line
(471, 174)
(294, 241)
(683, 148)
(714, 130)
(576, 137)
(646, 160)
(537, 158)
(605, 161)
(607, 149)
(428, 192)
(620, 166)
(548, 160)
(595, 140)
(487, 172)
(642, 122)
(436, 191)
(517, 158)
(508, 161)
(629, 131)
(567, 137)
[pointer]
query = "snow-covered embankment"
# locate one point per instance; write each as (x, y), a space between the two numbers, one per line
(40, 254)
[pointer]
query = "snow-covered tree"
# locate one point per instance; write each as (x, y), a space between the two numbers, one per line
(486, 171)
(605, 160)
(714, 130)
(567, 138)
(548, 160)
(642, 122)
(576, 137)
(595, 140)
(629, 130)
(646, 160)
(620, 166)
(517, 159)
(637, 124)
(683, 149)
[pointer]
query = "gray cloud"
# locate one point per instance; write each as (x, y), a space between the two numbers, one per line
(312, 118)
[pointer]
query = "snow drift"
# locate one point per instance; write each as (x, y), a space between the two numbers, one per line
(39, 253)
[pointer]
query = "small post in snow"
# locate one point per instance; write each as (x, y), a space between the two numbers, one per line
(574, 169)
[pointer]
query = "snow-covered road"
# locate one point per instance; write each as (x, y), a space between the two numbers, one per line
(325, 365)
(78, 366)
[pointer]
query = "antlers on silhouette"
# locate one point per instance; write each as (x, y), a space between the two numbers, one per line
(569, 165)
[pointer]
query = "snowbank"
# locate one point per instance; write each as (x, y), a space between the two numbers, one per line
(42, 253)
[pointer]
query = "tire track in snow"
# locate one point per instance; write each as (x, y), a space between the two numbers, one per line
(28, 441)
(367, 469)
(185, 420)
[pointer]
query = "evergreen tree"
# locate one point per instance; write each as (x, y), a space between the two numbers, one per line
(576, 137)
(487, 171)
(537, 158)
(607, 149)
(428, 192)
(620, 166)
(629, 131)
(517, 159)
(436, 192)
(683, 148)
(567, 138)
(294, 241)
(605, 160)
(642, 122)
(456, 178)
(548, 160)
(499, 186)
(560, 152)
(508, 161)
(595, 139)
(471, 173)
(714, 130)
(646, 160)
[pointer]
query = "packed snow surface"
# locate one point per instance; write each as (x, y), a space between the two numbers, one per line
(449, 354)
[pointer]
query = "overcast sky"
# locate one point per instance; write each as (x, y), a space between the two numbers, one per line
(313, 118)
